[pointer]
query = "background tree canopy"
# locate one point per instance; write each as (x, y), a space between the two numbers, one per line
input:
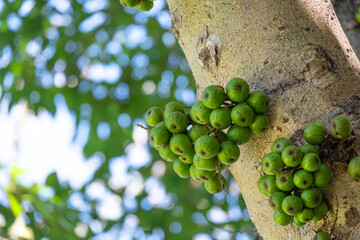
(76, 78)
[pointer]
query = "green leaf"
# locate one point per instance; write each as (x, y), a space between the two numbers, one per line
(14, 204)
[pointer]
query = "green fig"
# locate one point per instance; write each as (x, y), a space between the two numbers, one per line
(311, 162)
(214, 185)
(145, 5)
(206, 147)
(320, 211)
(242, 115)
(204, 174)
(181, 169)
(296, 222)
(166, 153)
(322, 236)
(259, 101)
(229, 153)
(172, 107)
(238, 134)
(237, 89)
(260, 123)
(261, 186)
(276, 199)
(180, 144)
(303, 179)
(322, 176)
(192, 171)
(270, 185)
(129, 3)
(291, 156)
(306, 215)
(314, 132)
(272, 164)
(187, 158)
(292, 205)
(354, 168)
(197, 131)
(340, 127)
(159, 135)
(280, 144)
(154, 115)
(176, 122)
(220, 118)
(213, 96)
(311, 197)
(285, 182)
(281, 218)
(309, 148)
(199, 113)
(204, 164)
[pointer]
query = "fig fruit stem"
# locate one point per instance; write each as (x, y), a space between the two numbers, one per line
(221, 181)
(336, 215)
(141, 126)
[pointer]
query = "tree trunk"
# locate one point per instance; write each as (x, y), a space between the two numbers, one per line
(297, 52)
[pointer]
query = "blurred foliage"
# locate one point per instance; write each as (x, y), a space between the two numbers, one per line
(51, 53)
(358, 15)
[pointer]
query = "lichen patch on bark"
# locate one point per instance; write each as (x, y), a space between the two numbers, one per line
(208, 49)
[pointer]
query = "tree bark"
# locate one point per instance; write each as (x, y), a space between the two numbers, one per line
(297, 52)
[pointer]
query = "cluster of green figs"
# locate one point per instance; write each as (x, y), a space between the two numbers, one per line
(295, 175)
(142, 5)
(193, 137)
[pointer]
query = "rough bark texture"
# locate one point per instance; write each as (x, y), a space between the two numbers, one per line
(346, 12)
(298, 53)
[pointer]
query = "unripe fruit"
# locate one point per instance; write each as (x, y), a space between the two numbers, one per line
(213, 96)
(306, 215)
(237, 89)
(206, 147)
(261, 186)
(311, 162)
(272, 164)
(292, 205)
(303, 179)
(322, 176)
(322, 236)
(159, 135)
(314, 132)
(205, 175)
(172, 107)
(220, 136)
(154, 115)
(308, 148)
(193, 175)
(199, 113)
(291, 156)
(166, 153)
(238, 134)
(176, 122)
(280, 144)
(285, 182)
(260, 123)
(354, 168)
(311, 197)
(204, 164)
(297, 223)
(276, 199)
(181, 169)
(129, 3)
(259, 101)
(187, 158)
(270, 185)
(320, 211)
(145, 5)
(197, 131)
(214, 185)
(220, 118)
(229, 153)
(340, 127)
(281, 218)
(242, 115)
(180, 144)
